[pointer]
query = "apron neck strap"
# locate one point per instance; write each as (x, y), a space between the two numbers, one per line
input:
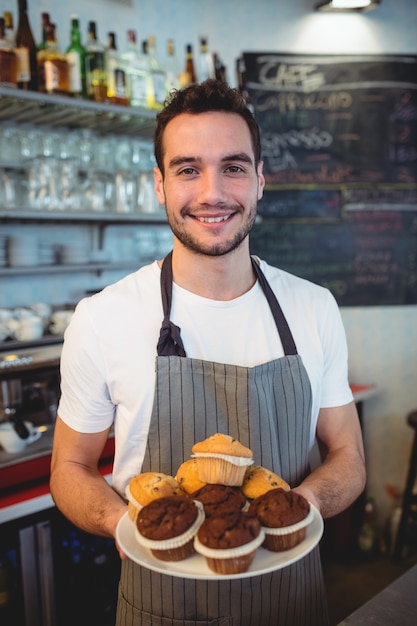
(281, 323)
(170, 342)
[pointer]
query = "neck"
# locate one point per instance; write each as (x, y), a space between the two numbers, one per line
(218, 278)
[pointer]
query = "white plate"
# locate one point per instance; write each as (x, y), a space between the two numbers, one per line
(195, 566)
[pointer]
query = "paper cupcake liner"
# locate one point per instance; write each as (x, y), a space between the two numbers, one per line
(219, 470)
(286, 530)
(240, 461)
(131, 499)
(230, 553)
(173, 542)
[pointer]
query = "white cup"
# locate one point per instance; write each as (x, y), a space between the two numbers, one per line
(60, 321)
(29, 328)
(10, 440)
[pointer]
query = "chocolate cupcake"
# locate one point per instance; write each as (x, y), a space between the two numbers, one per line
(167, 527)
(219, 498)
(228, 541)
(284, 516)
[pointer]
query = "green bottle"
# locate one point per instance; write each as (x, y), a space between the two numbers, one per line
(75, 56)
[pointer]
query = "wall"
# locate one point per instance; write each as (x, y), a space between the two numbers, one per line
(382, 341)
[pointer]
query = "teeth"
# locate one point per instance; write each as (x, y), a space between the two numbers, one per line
(213, 220)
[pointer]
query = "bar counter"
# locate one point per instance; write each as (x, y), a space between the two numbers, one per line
(396, 605)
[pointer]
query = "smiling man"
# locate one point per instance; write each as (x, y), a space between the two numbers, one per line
(207, 340)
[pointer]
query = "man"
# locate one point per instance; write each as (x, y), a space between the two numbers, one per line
(207, 340)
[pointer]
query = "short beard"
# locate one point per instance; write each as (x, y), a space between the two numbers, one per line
(215, 249)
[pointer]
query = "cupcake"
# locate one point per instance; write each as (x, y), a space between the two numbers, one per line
(222, 459)
(228, 541)
(167, 527)
(284, 516)
(148, 486)
(187, 476)
(216, 498)
(258, 480)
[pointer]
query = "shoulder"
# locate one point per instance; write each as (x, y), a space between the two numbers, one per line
(288, 285)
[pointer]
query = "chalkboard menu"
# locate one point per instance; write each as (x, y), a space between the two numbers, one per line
(339, 144)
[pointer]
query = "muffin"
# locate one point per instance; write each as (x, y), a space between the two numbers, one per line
(167, 527)
(148, 486)
(258, 480)
(284, 516)
(222, 459)
(216, 498)
(187, 476)
(228, 541)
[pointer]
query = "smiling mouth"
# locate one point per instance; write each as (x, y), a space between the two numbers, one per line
(213, 220)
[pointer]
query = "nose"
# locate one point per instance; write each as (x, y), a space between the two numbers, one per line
(211, 188)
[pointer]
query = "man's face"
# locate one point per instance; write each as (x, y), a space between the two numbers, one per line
(211, 186)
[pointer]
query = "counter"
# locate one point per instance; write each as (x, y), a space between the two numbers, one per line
(395, 605)
(24, 478)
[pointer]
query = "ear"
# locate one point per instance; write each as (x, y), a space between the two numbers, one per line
(158, 185)
(261, 180)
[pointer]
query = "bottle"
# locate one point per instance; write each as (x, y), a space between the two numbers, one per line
(116, 75)
(95, 66)
(45, 21)
(172, 68)
(205, 62)
(8, 59)
(219, 68)
(75, 56)
(4, 581)
(27, 65)
(367, 532)
(190, 75)
(138, 77)
(53, 65)
(157, 95)
(9, 28)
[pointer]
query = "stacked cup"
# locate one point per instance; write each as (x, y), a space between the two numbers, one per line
(23, 251)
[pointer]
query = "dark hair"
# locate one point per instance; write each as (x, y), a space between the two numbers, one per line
(211, 95)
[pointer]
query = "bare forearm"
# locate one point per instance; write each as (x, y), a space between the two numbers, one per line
(86, 499)
(337, 483)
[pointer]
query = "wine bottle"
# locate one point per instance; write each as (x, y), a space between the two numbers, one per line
(45, 21)
(27, 65)
(75, 56)
(116, 74)
(139, 81)
(205, 62)
(189, 65)
(158, 75)
(172, 68)
(95, 66)
(8, 59)
(9, 28)
(55, 64)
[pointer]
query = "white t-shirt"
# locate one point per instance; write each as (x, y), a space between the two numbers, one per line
(108, 356)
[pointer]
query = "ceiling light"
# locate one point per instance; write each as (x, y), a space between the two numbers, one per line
(347, 5)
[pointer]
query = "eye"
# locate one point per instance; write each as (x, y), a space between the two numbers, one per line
(187, 171)
(234, 169)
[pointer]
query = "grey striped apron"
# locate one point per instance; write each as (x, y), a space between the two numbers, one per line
(267, 408)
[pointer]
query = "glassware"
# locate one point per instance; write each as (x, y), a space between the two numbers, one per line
(43, 183)
(126, 192)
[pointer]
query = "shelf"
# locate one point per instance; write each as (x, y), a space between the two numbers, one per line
(72, 268)
(29, 107)
(11, 215)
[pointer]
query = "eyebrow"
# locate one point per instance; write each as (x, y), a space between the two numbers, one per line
(241, 157)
